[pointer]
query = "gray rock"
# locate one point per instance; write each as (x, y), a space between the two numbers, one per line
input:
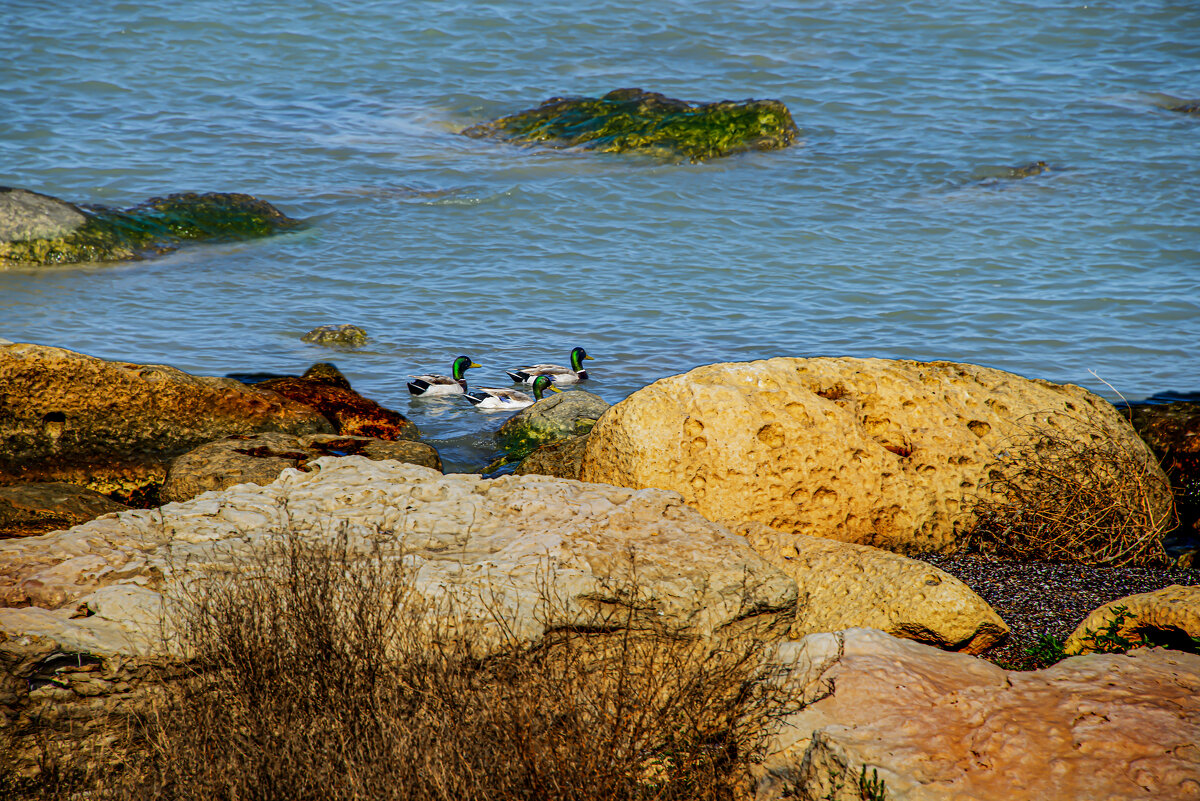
(28, 215)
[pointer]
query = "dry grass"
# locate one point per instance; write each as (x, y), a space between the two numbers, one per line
(1084, 497)
(329, 678)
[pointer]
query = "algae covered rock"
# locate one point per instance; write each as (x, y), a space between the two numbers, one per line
(39, 229)
(566, 414)
(630, 120)
(344, 336)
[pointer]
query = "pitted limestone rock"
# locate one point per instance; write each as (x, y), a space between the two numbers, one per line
(842, 585)
(1169, 617)
(872, 451)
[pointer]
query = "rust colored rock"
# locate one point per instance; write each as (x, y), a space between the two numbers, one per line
(937, 726)
(872, 451)
(325, 389)
(71, 417)
(31, 509)
(259, 459)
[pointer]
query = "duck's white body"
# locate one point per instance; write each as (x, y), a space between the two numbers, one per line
(499, 399)
(495, 398)
(556, 373)
(426, 385)
(455, 384)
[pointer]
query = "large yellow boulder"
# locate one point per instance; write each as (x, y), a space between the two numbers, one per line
(871, 451)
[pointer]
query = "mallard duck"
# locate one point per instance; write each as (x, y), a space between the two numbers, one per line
(510, 399)
(557, 373)
(454, 384)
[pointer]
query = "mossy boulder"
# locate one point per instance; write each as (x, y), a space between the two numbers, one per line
(566, 414)
(39, 229)
(630, 120)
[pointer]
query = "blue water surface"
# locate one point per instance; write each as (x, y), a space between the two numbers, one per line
(889, 230)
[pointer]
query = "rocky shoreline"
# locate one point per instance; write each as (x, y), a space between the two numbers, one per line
(791, 500)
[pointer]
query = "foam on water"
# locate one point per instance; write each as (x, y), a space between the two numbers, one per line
(888, 231)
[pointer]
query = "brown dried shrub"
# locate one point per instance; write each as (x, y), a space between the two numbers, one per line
(328, 677)
(1080, 496)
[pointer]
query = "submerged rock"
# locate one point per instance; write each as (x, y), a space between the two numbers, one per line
(1185, 106)
(39, 229)
(338, 335)
(630, 120)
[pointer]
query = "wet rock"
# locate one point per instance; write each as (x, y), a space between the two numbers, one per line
(563, 414)
(30, 509)
(1028, 170)
(38, 229)
(26, 215)
(324, 388)
(937, 726)
(347, 336)
(260, 458)
(872, 451)
(1169, 618)
(114, 426)
(630, 120)
(561, 459)
(844, 586)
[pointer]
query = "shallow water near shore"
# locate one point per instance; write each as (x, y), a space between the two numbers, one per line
(891, 229)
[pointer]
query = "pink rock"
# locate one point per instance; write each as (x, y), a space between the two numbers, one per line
(934, 725)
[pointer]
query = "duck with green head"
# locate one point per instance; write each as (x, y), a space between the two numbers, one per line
(454, 384)
(557, 373)
(510, 399)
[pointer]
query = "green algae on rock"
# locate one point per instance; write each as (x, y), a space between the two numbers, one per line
(39, 229)
(630, 120)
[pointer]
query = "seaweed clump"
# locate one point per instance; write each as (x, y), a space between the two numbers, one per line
(631, 120)
(158, 225)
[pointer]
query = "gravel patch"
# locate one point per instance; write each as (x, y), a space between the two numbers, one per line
(1048, 598)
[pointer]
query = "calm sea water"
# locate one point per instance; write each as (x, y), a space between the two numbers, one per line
(887, 231)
